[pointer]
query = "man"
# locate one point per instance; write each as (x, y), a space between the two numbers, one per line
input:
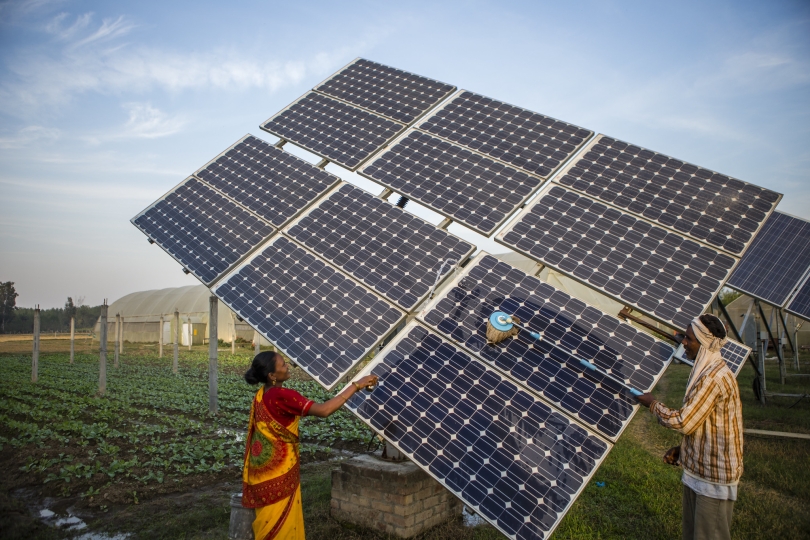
(711, 422)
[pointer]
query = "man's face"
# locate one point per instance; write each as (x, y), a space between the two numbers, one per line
(690, 343)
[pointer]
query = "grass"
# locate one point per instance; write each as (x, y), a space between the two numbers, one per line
(641, 497)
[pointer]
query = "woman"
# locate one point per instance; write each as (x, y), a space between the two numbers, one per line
(271, 475)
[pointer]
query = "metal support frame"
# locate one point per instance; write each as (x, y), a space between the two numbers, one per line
(760, 352)
(322, 163)
(777, 344)
(443, 224)
(385, 193)
(280, 143)
(785, 330)
(626, 313)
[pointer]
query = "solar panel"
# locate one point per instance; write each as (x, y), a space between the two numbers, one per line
(515, 460)
(332, 129)
(272, 183)
(691, 200)
(462, 185)
(799, 305)
(390, 250)
(522, 138)
(321, 319)
(659, 272)
(203, 230)
(578, 331)
(777, 260)
(388, 91)
(734, 353)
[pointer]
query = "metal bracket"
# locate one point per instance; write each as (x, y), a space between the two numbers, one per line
(280, 143)
(322, 163)
(443, 224)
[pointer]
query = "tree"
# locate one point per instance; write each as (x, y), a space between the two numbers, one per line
(8, 303)
(70, 310)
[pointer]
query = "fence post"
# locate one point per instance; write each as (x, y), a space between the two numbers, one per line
(160, 338)
(72, 336)
(213, 339)
(35, 353)
(121, 337)
(102, 350)
(115, 347)
(257, 343)
(176, 339)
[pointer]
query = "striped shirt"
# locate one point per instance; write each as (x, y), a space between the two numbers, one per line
(711, 423)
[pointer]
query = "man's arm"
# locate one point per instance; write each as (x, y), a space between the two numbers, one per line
(698, 406)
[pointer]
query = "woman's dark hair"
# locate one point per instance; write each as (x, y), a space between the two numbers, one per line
(263, 365)
(714, 325)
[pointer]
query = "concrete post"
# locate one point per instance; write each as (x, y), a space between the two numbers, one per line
(72, 337)
(213, 339)
(233, 338)
(257, 343)
(35, 353)
(115, 339)
(121, 337)
(176, 340)
(190, 333)
(102, 350)
(160, 338)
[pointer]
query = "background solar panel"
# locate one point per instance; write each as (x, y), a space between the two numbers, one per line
(488, 285)
(390, 250)
(332, 129)
(522, 138)
(322, 320)
(735, 354)
(203, 230)
(799, 305)
(272, 183)
(697, 202)
(776, 261)
(659, 272)
(512, 458)
(453, 181)
(385, 90)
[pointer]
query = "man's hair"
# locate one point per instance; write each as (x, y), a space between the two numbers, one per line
(714, 325)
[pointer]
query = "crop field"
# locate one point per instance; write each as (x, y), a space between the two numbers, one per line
(148, 460)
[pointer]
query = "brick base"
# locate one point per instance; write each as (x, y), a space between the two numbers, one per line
(394, 498)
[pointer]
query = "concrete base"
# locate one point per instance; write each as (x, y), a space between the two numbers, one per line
(394, 498)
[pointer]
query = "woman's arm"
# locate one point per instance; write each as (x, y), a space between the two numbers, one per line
(326, 408)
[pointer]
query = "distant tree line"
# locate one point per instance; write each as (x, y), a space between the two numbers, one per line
(20, 320)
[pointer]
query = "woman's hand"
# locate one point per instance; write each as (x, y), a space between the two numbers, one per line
(672, 456)
(366, 382)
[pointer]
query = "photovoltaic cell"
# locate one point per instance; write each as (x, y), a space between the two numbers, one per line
(390, 250)
(696, 202)
(799, 305)
(777, 260)
(735, 354)
(318, 317)
(203, 230)
(512, 458)
(462, 185)
(524, 139)
(577, 330)
(332, 129)
(659, 272)
(388, 91)
(272, 183)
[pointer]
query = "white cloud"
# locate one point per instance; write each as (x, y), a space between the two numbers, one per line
(28, 135)
(147, 122)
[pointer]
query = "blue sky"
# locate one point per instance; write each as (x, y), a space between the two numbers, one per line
(105, 106)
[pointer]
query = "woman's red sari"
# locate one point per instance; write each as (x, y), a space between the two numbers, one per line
(271, 475)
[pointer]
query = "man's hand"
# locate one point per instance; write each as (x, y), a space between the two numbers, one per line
(646, 399)
(672, 456)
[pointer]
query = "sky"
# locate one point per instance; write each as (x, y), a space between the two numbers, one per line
(105, 106)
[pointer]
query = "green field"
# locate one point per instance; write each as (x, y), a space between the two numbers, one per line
(147, 458)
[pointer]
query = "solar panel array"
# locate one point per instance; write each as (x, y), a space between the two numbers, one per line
(777, 260)
(696, 202)
(512, 458)
(203, 230)
(799, 305)
(577, 330)
(321, 319)
(390, 250)
(657, 271)
(519, 137)
(388, 91)
(332, 129)
(272, 183)
(455, 182)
